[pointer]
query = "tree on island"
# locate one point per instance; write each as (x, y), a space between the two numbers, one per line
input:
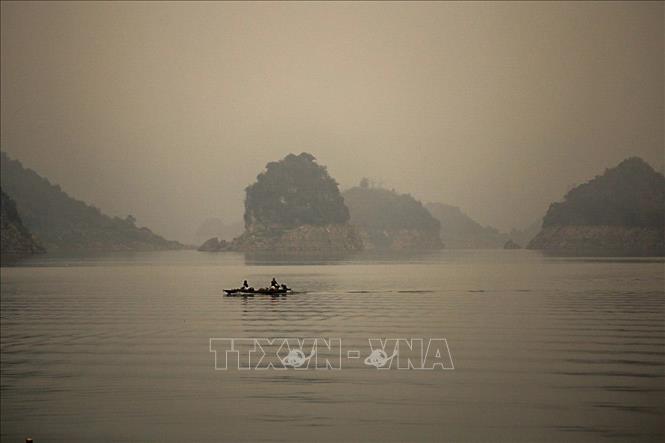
(292, 192)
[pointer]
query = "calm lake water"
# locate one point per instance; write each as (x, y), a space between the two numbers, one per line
(116, 348)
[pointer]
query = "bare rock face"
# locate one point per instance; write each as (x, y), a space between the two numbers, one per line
(302, 240)
(399, 239)
(601, 241)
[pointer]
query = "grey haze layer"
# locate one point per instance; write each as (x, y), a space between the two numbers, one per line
(166, 110)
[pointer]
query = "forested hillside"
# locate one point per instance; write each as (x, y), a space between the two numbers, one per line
(61, 222)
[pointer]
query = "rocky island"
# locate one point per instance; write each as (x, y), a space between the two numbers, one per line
(295, 208)
(620, 213)
(391, 221)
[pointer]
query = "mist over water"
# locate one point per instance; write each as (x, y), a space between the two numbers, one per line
(297, 140)
(545, 349)
(167, 111)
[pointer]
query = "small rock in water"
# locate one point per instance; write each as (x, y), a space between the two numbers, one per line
(511, 245)
(214, 245)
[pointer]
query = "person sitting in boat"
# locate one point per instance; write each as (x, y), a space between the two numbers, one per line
(245, 285)
(274, 284)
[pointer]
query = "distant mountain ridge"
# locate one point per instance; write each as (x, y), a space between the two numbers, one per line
(459, 231)
(621, 212)
(62, 223)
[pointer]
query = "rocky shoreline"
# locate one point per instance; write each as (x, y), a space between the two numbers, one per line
(402, 239)
(305, 239)
(600, 241)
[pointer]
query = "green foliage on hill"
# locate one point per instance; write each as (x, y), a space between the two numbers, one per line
(292, 192)
(378, 208)
(63, 223)
(630, 194)
(15, 239)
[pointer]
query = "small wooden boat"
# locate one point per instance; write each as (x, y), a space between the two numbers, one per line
(252, 292)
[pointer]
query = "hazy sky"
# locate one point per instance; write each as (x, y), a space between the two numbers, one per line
(168, 110)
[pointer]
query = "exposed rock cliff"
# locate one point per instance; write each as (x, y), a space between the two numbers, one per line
(600, 241)
(621, 212)
(333, 239)
(399, 239)
(15, 239)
